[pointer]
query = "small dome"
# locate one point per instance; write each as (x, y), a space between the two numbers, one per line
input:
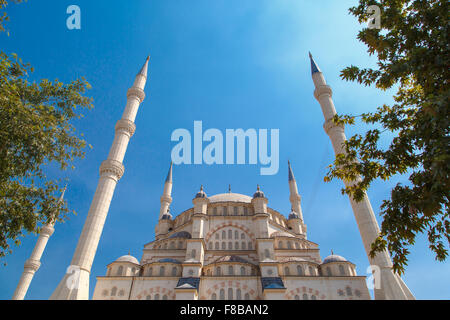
(259, 193)
(334, 258)
(293, 215)
(230, 197)
(201, 193)
(128, 258)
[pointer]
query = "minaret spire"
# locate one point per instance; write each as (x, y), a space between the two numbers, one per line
(75, 284)
(392, 286)
(33, 264)
(314, 67)
(295, 198)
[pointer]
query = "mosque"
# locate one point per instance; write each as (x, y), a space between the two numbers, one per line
(226, 247)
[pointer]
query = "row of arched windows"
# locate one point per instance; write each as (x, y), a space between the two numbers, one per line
(290, 245)
(231, 271)
(230, 211)
(172, 245)
(300, 271)
(113, 292)
(162, 271)
(230, 245)
(231, 294)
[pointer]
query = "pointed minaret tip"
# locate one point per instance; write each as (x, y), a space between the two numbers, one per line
(169, 175)
(291, 174)
(144, 68)
(314, 67)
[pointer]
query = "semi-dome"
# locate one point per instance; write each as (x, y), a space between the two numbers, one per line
(334, 258)
(230, 197)
(181, 234)
(128, 258)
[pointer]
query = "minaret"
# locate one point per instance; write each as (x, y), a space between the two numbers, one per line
(166, 198)
(295, 199)
(34, 262)
(75, 284)
(390, 286)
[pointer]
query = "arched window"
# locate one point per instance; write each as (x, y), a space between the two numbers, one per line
(311, 271)
(148, 298)
(217, 235)
(193, 253)
(230, 245)
(113, 292)
(180, 245)
(236, 234)
(224, 235)
(245, 211)
(286, 271)
(243, 273)
(305, 296)
(242, 236)
(164, 297)
(230, 270)
(149, 272)
(236, 245)
(120, 271)
(172, 245)
(247, 296)
(215, 211)
(230, 234)
(121, 293)
(289, 245)
(280, 245)
(224, 245)
(235, 211)
(162, 271)
(341, 270)
(174, 272)
(214, 296)
(313, 297)
(216, 246)
(243, 245)
(218, 271)
(348, 290)
(230, 293)
(156, 296)
(296, 245)
(225, 211)
(238, 294)
(133, 271)
(250, 246)
(267, 253)
(210, 246)
(222, 294)
(329, 271)
(105, 293)
(297, 297)
(299, 270)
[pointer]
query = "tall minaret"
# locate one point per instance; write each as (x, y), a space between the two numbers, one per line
(166, 198)
(295, 198)
(34, 262)
(390, 286)
(75, 284)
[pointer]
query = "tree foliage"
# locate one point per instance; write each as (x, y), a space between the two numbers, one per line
(412, 48)
(35, 133)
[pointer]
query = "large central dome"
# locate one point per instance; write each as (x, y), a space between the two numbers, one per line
(230, 197)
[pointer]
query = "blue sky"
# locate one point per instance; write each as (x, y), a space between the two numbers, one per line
(229, 63)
